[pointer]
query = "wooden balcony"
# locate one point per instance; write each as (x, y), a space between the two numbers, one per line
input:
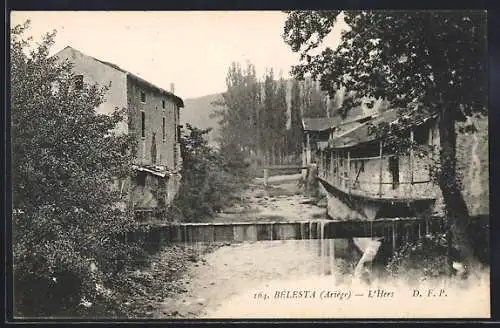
(415, 186)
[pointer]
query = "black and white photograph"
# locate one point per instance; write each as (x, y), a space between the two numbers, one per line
(298, 164)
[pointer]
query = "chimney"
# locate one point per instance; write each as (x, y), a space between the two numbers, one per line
(172, 87)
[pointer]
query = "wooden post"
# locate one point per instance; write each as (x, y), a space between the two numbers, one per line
(337, 173)
(335, 176)
(266, 176)
(323, 163)
(332, 164)
(394, 237)
(348, 171)
(431, 143)
(380, 173)
(411, 162)
(341, 163)
(308, 149)
(320, 163)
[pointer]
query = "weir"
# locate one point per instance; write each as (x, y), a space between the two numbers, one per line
(329, 238)
(393, 229)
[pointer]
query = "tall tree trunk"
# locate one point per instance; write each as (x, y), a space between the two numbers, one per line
(273, 158)
(456, 208)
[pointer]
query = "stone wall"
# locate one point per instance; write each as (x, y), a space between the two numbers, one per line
(154, 115)
(339, 210)
(96, 72)
(473, 162)
(146, 190)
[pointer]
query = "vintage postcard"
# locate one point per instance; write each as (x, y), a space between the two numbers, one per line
(250, 164)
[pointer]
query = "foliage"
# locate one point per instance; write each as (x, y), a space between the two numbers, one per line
(211, 178)
(427, 256)
(65, 162)
(254, 114)
(404, 57)
(239, 108)
(422, 62)
(138, 291)
(274, 116)
(314, 102)
(295, 132)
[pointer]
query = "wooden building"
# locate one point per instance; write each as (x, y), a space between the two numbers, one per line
(315, 132)
(365, 180)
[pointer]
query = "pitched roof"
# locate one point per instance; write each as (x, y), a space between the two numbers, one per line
(326, 123)
(319, 123)
(361, 134)
(178, 100)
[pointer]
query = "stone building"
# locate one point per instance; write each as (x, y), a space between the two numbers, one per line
(152, 117)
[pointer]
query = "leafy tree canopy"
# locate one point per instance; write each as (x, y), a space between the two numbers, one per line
(432, 58)
(66, 160)
(422, 62)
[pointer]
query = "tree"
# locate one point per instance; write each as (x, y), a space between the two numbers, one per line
(66, 160)
(295, 132)
(279, 119)
(313, 101)
(211, 178)
(238, 111)
(436, 59)
(268, 116)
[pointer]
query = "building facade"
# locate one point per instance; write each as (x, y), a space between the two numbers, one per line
(152, 118)
(364, 180)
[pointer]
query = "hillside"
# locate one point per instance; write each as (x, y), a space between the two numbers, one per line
(197, 112)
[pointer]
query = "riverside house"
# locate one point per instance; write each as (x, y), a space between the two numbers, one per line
(364, 180)
(153, 117)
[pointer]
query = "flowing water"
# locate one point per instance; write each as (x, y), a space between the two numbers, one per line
(305, 279)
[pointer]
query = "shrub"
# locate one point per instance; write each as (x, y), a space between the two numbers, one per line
(211, 177)
(425, 257)
(65, 158)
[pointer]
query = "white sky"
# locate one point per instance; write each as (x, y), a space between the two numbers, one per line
(192, 49)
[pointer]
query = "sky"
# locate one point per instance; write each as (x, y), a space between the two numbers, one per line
(192, 49)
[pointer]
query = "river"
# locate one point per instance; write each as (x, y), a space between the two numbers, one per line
(296, 279)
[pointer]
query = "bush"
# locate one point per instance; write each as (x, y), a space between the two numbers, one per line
(65, 159)
(430, 256)
(211, 179)
(426, 257)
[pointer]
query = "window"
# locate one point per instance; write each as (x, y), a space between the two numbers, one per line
(163, 104)
(421, 135)
(143, 124)
(163, 128)
(78, 79)
(153, 148)
(143, 97)
(178, 134)
(394, 169)
(140, 179)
